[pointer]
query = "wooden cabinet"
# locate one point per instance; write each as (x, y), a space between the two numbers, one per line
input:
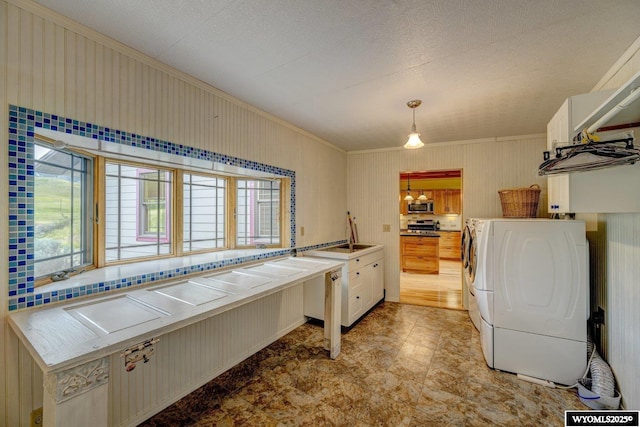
(447, 202)
(404, 205)
(449, 244)
(362, 287)
(420, 254)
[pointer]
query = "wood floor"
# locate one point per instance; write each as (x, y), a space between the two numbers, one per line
(442, 290)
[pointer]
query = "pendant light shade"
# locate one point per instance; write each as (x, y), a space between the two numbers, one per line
(414, 137)
(408, 197)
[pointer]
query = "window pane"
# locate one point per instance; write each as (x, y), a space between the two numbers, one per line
(62, 200)
(138, 212)
(258, 212)
(204, 212)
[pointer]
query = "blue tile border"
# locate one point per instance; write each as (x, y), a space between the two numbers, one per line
(22, 124)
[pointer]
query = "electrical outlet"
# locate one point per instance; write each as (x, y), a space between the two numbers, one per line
(301, 231)
(386, 228)
(36, 418)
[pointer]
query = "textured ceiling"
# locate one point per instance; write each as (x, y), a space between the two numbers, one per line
(344, 69)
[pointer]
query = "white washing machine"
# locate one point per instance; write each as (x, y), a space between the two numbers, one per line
(467, 271)
(531, 287)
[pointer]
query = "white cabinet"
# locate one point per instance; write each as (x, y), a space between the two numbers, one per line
(598, 191)
(362, 286)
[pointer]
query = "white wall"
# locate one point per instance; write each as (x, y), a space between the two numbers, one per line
(617, 270)
(51, 64)
(487, 166)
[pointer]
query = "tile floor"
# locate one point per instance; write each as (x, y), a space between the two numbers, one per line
(402, 365)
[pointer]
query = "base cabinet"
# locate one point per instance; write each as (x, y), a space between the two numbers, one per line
(420, 254)
(362, 288)
(449, 244)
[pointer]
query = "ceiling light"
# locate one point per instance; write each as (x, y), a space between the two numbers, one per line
(408, 197)
(414, 137)
(422, 196)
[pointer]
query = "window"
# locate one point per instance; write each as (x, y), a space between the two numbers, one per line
(203, 212)
(62, 210)
(142, 210)
(153, 206)
(137, 211)
(257, 212)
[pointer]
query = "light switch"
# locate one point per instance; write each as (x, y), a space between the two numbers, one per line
(301, 231)
(386, 228)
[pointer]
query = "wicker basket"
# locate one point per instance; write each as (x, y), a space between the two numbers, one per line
(520, 202)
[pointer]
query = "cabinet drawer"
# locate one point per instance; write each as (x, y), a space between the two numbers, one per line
(355, 279)
(424, 264)
(361, 261)
(449, 237)
(356, 301)
(420, 249)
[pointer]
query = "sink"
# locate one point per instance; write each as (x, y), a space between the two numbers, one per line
(346, 248)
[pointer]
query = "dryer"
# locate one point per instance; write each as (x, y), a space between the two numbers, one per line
(531, 287)
(467, 270)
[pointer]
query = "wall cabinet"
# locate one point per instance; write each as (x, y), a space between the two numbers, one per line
(420, 254)
(447, 202)
(429, 194)
(449, 244)
(596, 191)
(362, 287)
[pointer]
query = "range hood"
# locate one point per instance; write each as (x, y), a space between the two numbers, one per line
(588, 150)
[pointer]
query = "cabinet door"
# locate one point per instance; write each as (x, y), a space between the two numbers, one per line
(439, 202)
(378, 280)
(450, 244)
(454, 202)
(367, 286)
(354, 307)
(404, 205)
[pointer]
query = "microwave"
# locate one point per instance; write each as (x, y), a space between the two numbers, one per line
(424, 207)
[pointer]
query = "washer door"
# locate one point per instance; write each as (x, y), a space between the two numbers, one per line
(470, 269)
(465, 246)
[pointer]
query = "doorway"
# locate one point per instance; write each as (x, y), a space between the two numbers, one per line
(430, 208)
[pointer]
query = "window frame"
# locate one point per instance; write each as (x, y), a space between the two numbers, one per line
(101, 200)
(176, 221)
(142, 235)
(282, 217)
(89, 222)
(226, 208)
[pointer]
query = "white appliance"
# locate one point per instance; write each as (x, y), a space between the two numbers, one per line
(530, 278)
(467, 268)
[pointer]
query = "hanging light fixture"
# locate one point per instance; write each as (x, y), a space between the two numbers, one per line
(408, 197)
(414, 137)
(422, 196)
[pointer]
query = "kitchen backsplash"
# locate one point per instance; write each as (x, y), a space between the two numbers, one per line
(447, 222)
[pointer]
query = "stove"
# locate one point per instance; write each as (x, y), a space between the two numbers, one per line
(425, 227)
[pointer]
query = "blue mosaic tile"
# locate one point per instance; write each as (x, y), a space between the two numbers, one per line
(22, 122)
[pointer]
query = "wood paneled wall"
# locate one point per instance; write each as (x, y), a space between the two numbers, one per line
(487, 166)
(616, 270)
(51, 64)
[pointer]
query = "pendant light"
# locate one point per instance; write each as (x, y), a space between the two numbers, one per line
(414, 137)
(408, 197)
(422, 196)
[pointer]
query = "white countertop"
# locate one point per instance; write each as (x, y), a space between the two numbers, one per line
(336, 253)
(64, 335)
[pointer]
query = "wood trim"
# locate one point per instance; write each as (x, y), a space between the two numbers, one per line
(231, 213)
(177, 233)
(100, 211)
